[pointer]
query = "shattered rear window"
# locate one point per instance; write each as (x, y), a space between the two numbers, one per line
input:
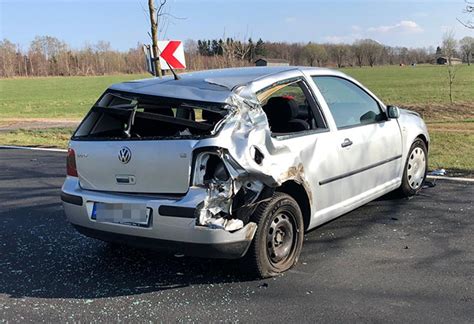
(128, 116)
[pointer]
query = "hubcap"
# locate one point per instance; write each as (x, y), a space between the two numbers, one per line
(416, 168)
(280, 238)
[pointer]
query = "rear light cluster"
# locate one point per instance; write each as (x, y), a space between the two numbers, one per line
(71, 169)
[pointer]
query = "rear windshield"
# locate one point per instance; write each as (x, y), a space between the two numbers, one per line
(127, 116)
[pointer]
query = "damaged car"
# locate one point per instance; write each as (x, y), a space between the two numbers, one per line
(237, 163)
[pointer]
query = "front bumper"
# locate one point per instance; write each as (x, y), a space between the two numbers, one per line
(175, 232)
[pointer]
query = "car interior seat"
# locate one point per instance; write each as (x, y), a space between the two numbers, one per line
(283, 115)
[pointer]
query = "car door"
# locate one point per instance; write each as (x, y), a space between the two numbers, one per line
(313, 146)
(369, 145)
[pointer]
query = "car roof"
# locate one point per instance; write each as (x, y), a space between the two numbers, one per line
(211, 85)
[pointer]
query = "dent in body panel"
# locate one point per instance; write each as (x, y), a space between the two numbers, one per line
(257, 164)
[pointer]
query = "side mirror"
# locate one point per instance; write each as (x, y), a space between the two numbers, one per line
(393, 112)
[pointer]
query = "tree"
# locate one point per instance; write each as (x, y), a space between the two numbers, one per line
(155, 15)
(369, 50)
(449, 46)
(467, 48)
(358, 54)
(339, 53)
(449, 49)
(7, 58)
(260, 48)
(315, 53)
(469, 10)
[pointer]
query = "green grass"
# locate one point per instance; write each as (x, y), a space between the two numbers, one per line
(71, 97)
(52, 137)
(53, 97)
(420, 85)
(423, 88)
(452, 150)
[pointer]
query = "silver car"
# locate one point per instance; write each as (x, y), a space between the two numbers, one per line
(237, 163)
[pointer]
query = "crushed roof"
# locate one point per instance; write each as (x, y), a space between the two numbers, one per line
(210, 85)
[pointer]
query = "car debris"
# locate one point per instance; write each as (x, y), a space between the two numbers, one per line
(438, 172)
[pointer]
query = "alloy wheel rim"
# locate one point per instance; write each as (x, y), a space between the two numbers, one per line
(416, 168)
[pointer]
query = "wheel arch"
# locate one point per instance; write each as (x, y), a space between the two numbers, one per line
(298, 192)
(424, 139)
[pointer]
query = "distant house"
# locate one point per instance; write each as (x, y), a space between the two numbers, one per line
(442, 60)
(271, 62)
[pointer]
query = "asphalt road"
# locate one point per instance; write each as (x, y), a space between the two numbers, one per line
(394, 260)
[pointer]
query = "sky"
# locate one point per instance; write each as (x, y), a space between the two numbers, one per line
(124, 23)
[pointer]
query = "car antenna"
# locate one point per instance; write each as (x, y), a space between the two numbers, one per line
(176, 77)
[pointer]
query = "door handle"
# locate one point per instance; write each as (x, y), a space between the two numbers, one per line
(347, 142)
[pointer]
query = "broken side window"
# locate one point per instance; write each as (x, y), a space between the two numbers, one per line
(129, 116)
(288, 108)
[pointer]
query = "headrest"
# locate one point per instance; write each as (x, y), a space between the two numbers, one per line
(281, 109)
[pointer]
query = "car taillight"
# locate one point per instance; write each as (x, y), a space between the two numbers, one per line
(71, 169)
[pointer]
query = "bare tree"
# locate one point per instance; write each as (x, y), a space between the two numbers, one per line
(449, 46)
(452, 72)
(339, 53)
(367, 50)
(469, 10)
(155, 14)
(449, 50)
(7, 58)
(358, 53)
(315, 53)
(467, 48)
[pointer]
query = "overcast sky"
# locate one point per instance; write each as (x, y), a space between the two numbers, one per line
(124, 23)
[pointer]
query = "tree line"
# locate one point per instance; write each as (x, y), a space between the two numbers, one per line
(49, 56)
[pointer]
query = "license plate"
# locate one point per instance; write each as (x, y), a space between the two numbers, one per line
(125, 214)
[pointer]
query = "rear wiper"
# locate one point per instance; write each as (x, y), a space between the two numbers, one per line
(131, 121)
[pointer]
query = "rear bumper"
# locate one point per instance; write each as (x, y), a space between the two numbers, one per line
(172, 225)
(229, 250)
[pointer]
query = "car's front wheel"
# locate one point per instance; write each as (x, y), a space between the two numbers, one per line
(415, 170)
(279, 238)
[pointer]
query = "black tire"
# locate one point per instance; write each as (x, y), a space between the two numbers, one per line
(411, 185)
(278, 240)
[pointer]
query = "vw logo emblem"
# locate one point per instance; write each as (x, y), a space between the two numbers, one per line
(125, 155)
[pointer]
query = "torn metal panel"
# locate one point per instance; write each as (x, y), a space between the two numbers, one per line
(254, 160)
(251, 144)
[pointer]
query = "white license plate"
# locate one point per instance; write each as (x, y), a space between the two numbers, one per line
(125, 214)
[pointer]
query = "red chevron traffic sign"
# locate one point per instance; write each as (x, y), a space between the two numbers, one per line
(171, 54)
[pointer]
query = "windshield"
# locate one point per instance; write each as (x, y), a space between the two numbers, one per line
(130, 116)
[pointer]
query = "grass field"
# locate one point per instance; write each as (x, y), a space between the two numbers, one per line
(53, 97)
(417, 86)
(422, 88)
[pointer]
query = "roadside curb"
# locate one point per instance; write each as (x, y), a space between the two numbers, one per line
(451, 179)
(32, 148)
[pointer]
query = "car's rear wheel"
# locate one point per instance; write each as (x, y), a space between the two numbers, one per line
(279, 238)
(416, 167)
